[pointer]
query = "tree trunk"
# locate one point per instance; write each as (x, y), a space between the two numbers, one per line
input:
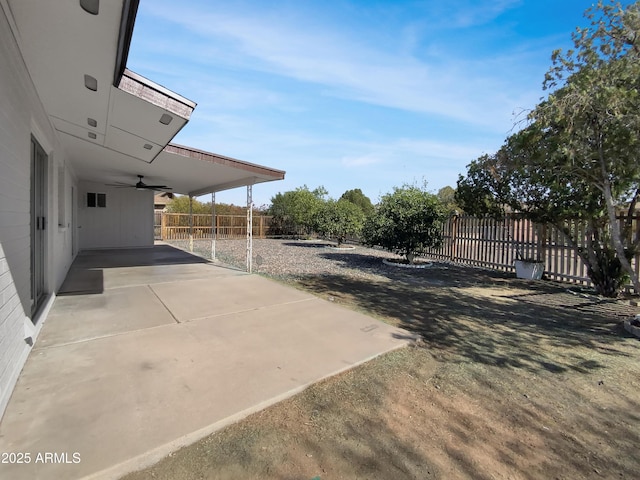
(616, 238)
(596, 259)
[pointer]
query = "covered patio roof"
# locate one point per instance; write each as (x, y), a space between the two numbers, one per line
(113, 123)
(207, 172)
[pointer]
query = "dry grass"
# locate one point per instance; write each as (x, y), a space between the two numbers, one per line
(511, 380)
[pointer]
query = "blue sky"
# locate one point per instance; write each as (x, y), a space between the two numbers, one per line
(366, 94)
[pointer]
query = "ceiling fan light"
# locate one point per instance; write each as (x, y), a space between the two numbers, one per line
(91, 83)
(90, 6)
(165, 119)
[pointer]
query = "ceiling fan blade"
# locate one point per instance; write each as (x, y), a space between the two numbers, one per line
(119, 185)
(140, 185)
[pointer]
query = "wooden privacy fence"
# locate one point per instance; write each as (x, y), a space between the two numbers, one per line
(175, 226)
(490, 243)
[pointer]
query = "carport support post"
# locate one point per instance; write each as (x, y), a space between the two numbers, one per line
(190, 223)
(214, 226)
(249, 228)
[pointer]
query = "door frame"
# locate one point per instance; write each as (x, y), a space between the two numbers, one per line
(39, 225)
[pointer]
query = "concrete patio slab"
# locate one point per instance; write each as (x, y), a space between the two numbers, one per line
(117, 311)
(115, 383)
(235, 294)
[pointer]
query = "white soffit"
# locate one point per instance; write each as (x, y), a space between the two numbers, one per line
(63, 45)
(114, 133)
(186, 170)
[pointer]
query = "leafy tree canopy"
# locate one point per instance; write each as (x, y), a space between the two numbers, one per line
(578, 155)
(358, 198)
(447, 197)
(407, 221)
(294, 211)
(339, 219)
(180, 204)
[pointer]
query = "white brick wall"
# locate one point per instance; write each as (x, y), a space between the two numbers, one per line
(20, 110)
(13, 349)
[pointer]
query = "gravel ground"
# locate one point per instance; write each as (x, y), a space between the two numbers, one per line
(292, 259)
(299, 262)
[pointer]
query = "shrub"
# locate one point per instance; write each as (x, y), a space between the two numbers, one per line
(339, 219)
(407, 222)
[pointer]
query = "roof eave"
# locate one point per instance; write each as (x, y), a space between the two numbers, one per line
(183, 150)
(127, 22)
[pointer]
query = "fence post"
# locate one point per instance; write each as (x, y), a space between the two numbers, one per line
(163, 226)
(190, 223)
(454, 237)
(542, 242)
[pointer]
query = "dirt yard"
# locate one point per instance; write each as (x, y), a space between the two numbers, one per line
(512, 379)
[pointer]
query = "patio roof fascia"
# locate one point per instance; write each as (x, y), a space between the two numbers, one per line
(158, 96)
(154, 93)
(127, 22)
(243, 182)
(224, 160)
(256, 173)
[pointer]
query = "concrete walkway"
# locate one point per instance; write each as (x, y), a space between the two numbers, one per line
(148, 350)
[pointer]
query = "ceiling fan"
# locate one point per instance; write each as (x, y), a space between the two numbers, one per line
(140, 185)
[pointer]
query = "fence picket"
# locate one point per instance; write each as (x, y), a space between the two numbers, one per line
(493, 243)
(175, 226)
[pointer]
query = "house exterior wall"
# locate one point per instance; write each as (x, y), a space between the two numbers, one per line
(125, 222)
(21, 117)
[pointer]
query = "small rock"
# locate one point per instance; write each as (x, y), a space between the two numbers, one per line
(601, 382)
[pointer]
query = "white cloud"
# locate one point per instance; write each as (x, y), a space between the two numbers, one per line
(349, 67)
(361, 160)
(262, 77)
(468, 13)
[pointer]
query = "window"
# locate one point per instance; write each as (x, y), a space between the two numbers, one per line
(96, 200)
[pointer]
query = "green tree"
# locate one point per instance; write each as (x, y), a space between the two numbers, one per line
(578, 156)
(358, 198)
(339, 219)
(407, 222)
(447, 197)
(595, 118)
(520, 178)
(294, 211)
(180, 204)
(484, 191)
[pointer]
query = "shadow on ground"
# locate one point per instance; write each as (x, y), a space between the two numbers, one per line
(511, 379)
(486, 317)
